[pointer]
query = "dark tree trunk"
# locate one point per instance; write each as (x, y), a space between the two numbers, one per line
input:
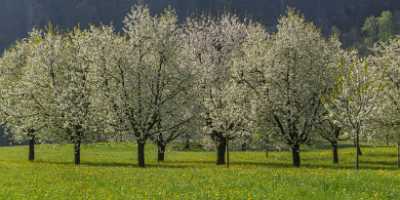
(358, 150)
(244, 146)
(77, 152)
(141, 161)
(187, 145)
(227, 153)
(387, 140)
(266, 151)
(221, 148)
(398, 155)
(357, 141)
(296, 155)
(32, 148)
(335, 153)
(161, 152)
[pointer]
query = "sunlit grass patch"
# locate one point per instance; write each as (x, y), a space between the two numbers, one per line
(109, 171)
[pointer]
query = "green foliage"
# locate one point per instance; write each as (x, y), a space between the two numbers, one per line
(335, 31)
(371, 30)
(378, 29)
(386, 26)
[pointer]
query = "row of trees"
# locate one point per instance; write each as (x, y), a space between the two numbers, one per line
(225, 77)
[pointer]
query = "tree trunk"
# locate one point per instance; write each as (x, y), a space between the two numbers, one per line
(266, 151)
(141, 161)
(77, 152)
(221, 148)
(296, 155)
(359, 152)
(32, 148)
(335, 153)
(244, 146)
(187, 145)
(358, 149)
(387, 140)
(161, 152)
(227, 153)
(398, 155)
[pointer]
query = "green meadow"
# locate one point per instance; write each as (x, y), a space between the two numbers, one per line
(109, 171)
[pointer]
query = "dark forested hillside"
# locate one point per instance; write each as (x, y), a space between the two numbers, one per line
(17, 17)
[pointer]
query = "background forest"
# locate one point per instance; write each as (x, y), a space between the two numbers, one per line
(18, 17)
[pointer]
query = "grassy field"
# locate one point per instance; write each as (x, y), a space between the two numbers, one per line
(109, 172)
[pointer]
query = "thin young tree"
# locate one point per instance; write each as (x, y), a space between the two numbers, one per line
(331, 131)
(354, 100)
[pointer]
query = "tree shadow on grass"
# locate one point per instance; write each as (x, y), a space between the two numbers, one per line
(380, 162)
(176, 164)
(207, 162)
(113, 164)
(371, 165)
(383, 155)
